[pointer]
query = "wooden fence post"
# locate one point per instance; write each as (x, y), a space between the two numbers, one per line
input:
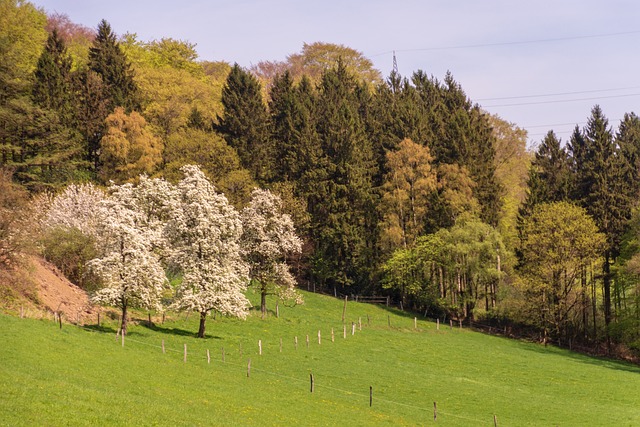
(344, 331)
(260, 347)
(163, 352)
(435, 411)
(295, 340)
(21, 312)
(307, 340)
(249, 368)
(450, 324)
(208, 357)
(277, 310)
(438, 324)
(353, 328)
(312, 384)
(333, 338)
(370, 396)
(415, 323)
(319, 338)
(185, 354)
(98, 319)
(389, 320)
(359, 323)
(495, 421)
(122, 338)
(460, 323)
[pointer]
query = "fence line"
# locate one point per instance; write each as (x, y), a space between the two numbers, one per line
(345, 392)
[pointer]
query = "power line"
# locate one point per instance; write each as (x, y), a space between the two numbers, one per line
(558, 101)
(557, 94)
(509, 43)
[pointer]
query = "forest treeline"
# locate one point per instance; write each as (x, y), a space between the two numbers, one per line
(399, 185)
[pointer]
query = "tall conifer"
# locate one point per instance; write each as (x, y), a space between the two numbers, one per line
(107, 59)
(245, 123)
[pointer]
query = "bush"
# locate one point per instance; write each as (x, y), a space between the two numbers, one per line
(69, 250)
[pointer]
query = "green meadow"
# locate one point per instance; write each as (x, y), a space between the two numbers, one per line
(389, 372)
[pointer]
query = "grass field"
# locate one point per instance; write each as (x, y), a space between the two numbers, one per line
(83, 376)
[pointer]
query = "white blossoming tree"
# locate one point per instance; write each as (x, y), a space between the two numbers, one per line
(205, 232)
(268, 238)
(129, 269)
(76, 207)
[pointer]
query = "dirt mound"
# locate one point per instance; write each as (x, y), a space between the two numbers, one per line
(56, 293)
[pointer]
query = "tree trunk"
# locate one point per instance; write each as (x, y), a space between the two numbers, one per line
(606, 284)
(263, 302)
(203, 319)
(123, 324)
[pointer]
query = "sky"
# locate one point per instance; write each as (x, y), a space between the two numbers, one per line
(541, 65)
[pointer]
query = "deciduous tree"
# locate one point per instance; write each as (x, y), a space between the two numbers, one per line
(130, 271)
(268, 239)
(560, 240)
(128, 148)
(206, 231)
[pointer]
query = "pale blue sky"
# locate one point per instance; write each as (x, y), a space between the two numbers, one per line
(585, 49)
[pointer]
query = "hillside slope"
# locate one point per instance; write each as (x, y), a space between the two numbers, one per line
(82, 376)
(40, 288)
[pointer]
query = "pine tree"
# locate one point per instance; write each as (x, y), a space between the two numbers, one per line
(90, 110)
(281, 111)
(344, 217)
(600, 190)
(107, 59)
(549, 175)
(628, 139)
(52, 78)
(245, 123)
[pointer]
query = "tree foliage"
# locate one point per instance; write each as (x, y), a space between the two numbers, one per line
(107, 60)
(560, 241)
(205, 231)
(130, 271)
(268, 238)
(128, 148)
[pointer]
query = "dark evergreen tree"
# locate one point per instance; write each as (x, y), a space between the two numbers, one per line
(108, 61)
(245, 123)
(345, 210)
(628, 141)
(90, 109)
(282, 106)
(52, 78)
(600, 190)
(549, 175)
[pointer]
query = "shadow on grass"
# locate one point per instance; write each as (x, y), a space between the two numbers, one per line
(599, 361)
(175, 331)
(101, 328)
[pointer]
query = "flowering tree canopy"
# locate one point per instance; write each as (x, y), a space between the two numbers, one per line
(268, 237)
(130, 271)
(76, 207)
(205, 231)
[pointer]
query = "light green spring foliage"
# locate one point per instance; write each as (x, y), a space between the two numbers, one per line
(128, 148)
(172, 82)
(560, 240)
(22, 37)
